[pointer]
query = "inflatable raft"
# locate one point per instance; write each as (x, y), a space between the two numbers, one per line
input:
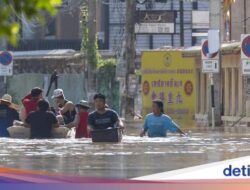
(21, 132)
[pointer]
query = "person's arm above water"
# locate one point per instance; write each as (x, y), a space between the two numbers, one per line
(178, 130)
(145, 127)
(91, 122)
(172, 126)
(115, 119)
(121, 124)
(90, 128)
(22, 114)
(69, 106)
(55, 123)
(74, 123)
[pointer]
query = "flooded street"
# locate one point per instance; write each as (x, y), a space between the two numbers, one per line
(133, 157)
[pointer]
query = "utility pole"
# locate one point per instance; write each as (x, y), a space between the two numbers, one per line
(245, 17)
(130, 54)
(3, 45)
(92, 62)
(215, 89)
(181, 23)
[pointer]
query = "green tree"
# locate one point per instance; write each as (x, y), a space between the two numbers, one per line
(107, 83)
(10, 9)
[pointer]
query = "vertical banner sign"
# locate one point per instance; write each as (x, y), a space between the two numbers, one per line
(6, 63)
(210, 61)
(132, 87)
(245, 54)
(166, 75)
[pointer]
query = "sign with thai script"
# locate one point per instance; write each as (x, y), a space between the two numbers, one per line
(166, 75)
(156, 21)
(154, 28)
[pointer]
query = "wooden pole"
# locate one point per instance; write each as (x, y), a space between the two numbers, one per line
(3, 86)
(91, 64)
(130, 53)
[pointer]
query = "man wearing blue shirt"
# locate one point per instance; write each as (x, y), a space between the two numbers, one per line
(157, 124)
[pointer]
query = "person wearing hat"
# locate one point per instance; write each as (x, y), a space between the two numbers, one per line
(30, 102)
(81, 120)
(157, 124)
(65, 109)
(102, 117)
(7, 115)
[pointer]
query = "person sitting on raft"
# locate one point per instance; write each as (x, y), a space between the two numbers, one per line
(8, 114)
(41, 121)
(65, 109)
(157, 124)
(102, 117)
(30, 102)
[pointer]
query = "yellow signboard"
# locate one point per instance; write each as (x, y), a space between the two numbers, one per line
(166, 75)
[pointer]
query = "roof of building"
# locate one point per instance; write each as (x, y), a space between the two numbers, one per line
(60, 53)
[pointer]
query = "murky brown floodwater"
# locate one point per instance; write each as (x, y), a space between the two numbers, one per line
(133, 157)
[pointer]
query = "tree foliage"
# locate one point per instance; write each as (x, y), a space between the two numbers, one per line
(107, 83)
(10, 10)
(87, 46)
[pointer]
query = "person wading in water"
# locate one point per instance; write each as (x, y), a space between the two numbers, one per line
(81, 120)
(157, 123)
(102, 117)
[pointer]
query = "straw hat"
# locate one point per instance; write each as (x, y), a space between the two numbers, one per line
(83, 103)
(7, 98)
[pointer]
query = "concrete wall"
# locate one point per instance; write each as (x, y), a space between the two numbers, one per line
(72, 84)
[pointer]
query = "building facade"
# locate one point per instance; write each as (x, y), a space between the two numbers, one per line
(189, 23)
(176, 23)
(62, 31)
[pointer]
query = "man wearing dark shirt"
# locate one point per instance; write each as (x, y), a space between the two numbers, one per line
(7, 115)
(41, 121)
(102, 118)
